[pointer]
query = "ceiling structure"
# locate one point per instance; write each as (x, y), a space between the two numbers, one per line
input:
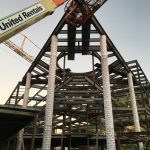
(13, 119)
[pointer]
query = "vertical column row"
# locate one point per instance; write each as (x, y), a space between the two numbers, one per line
(109, 124)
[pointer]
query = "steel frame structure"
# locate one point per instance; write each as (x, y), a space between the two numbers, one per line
(78, 106)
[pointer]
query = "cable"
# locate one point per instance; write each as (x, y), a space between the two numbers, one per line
(30, 41)
(6, 51)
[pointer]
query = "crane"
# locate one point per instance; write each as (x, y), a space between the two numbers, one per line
(77, 12)
(19, 21)
(19, 50)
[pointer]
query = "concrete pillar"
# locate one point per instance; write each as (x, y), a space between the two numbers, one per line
(25, 101)
(27, 89)
(50, 96)
(20, 140)
(134, 107)
(109, 124)
(34, 130)
(8, 145)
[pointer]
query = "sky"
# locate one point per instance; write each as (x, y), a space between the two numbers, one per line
(127, 23)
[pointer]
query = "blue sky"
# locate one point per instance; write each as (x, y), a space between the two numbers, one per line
(127, 23)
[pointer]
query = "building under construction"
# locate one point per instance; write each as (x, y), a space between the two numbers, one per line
(105, 108)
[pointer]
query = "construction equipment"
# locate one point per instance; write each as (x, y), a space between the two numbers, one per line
(19, 21)
(77, 13)
(19, 50)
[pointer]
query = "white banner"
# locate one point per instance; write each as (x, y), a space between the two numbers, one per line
(14, 20)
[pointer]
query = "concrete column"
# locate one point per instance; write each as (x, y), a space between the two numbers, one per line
(34, 130)
(25, 101)
(20, 140)
(50, 96)
(134, 107)
(109, 124)
(27, 89)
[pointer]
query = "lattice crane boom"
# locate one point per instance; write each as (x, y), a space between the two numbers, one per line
(19, 50)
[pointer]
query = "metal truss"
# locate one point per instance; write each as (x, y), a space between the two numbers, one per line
(78, 106)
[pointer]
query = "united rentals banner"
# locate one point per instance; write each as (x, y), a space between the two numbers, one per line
(17, 19)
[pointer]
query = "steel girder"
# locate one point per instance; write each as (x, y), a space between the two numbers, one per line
(78, 105)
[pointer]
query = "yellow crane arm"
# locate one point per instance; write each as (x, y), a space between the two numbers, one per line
(19, 21)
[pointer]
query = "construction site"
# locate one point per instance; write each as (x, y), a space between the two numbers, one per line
(54, 108)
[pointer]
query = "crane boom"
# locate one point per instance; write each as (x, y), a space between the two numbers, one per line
(77, 13)
(19, 21)
(18, 50)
